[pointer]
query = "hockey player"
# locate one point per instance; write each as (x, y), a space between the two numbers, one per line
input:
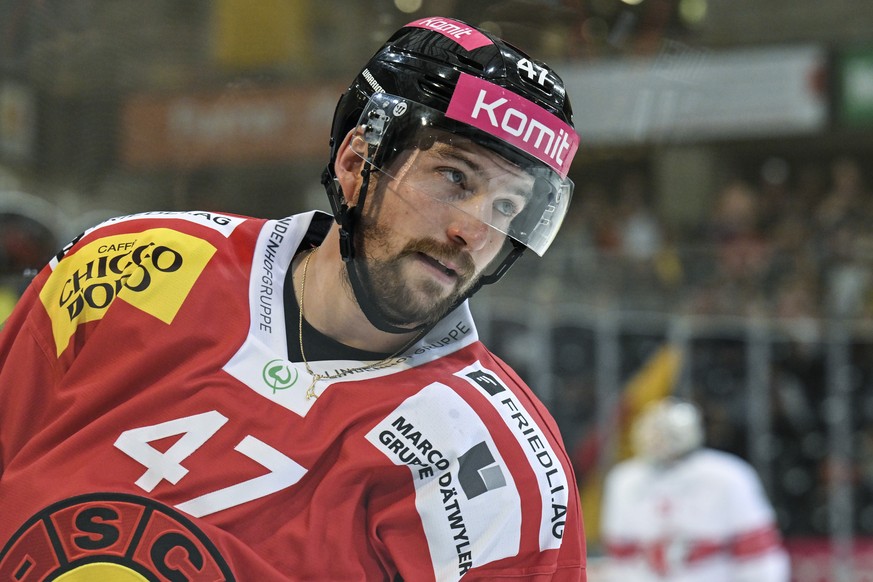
(685, 513)
(203, 396)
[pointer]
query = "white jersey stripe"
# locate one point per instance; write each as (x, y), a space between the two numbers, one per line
(546, 465)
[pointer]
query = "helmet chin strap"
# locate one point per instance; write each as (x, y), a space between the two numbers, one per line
(348, 218)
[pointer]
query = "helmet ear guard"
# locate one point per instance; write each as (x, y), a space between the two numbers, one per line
(335, 195)
(344, 214)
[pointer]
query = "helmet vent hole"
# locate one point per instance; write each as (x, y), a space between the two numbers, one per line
(468, 62)
(435, 86)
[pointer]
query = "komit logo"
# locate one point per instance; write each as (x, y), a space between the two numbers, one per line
(479, 472)
(463, 34)
(515, 120)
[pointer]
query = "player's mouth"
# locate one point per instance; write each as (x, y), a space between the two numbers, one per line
(444, 271)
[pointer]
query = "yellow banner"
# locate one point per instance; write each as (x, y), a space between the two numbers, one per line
(267, 32)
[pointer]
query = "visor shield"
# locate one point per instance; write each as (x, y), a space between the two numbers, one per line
(513, 193)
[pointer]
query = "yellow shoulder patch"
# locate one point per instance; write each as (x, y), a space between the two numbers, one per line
(153, 270)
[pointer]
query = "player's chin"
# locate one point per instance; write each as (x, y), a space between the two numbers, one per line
(425, 304)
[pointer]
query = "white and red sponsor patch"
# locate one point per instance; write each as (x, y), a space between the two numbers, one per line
(470, 506)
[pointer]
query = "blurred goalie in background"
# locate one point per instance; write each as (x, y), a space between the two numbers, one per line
(682, 512)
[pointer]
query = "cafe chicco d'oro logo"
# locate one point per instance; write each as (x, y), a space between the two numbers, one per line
(111, 537)
(153, 270)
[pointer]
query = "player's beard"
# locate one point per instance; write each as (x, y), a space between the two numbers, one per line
(399, 303)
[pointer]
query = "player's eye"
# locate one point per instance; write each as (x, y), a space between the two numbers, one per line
(506, 207)
(454, 176)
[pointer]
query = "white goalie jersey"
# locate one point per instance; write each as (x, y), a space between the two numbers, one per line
(703, 518)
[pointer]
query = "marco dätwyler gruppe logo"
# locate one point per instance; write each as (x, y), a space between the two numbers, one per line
(279, 375)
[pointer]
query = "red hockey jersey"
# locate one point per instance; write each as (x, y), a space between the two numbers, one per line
(152, 427)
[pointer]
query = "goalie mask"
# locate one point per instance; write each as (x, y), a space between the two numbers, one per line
(667, 430)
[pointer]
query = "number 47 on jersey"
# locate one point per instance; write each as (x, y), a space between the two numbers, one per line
(193, 432)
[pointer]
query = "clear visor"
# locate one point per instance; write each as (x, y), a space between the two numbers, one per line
(464, 167)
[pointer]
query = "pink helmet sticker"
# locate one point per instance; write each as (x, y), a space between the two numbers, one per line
(515, 120)
(463, 34)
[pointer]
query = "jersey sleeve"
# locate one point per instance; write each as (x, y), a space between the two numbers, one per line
(612, 519)
(750, 507)
(127, 269)
(757, 543)
(24, 354)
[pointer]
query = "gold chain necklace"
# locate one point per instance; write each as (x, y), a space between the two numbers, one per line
(385, 363)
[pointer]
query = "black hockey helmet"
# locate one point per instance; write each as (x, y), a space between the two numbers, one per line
(442, 75)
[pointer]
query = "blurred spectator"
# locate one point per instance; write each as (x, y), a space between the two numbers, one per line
(847, 274)
(743, 251)
(777, 197)
(809, 186)
(681, 512)
(847, 195)
(841, 219)
(600, 213)
(650, 266)
(640, 233)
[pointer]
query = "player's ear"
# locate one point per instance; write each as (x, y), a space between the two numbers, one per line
(348, 164)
